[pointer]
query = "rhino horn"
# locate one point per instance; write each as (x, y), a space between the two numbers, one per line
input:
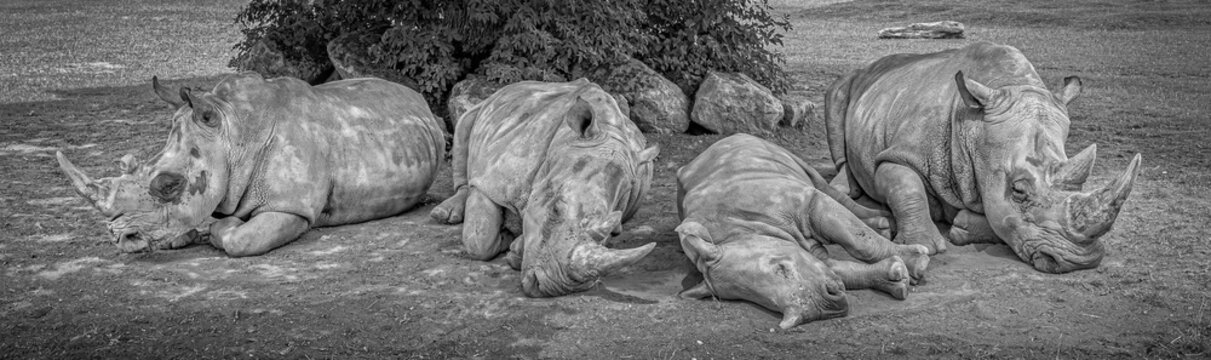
(593, 258)
(97, 192)
(1074, 172)
(167, 95)
(1092, 214)
(790, 318)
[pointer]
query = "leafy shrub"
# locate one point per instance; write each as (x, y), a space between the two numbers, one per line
(437, 42)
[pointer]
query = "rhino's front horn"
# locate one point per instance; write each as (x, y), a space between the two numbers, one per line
(1091, 215)
(95, 191)
(790, 318)
(596, 259)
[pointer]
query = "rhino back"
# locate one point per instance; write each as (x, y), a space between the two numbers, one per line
(517, 127)
(743, 185)
(902, 109)
(348, 151)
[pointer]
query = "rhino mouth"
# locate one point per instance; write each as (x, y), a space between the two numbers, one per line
(130, 236)
(1059, 256)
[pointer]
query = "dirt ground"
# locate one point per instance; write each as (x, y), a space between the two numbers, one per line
(401, 287)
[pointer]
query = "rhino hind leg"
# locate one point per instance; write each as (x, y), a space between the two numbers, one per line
(263, 232)
(909, 203)
(832, 223)
(889, 275)
(483, 237)
(451, 210)
(969, 228)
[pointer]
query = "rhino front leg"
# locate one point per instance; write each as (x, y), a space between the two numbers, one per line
(889, 275)
(968, 228)
(482, 235)
(264, 232)
(909, 203)
(832, 223)
(451, 210)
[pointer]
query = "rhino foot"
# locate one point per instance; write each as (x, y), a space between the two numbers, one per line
(916, 259)
(896, 279)
(451, 210)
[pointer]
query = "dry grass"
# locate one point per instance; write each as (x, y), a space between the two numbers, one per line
(49, 45)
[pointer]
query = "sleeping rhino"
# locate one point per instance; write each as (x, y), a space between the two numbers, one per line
(270, 159)
(754, 221)
(558, 165)
(972, 139)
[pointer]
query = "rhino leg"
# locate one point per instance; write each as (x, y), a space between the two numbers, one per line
(909, 203)
(482, 235)
(889, 275)
(842, 181)
(451, 210)
(968, 228)
(264, 232)
(513, 258)
(833, 223)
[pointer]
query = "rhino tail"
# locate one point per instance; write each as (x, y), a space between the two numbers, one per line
(458, 150)
(836, 105)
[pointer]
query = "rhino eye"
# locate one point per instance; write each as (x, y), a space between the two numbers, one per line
(209, 118)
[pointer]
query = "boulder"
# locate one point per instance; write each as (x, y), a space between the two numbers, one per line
(656, 104)
(350, 57)
(270, 62)
(932, 30)
(729, 103)
(797, 109)
(467, 93)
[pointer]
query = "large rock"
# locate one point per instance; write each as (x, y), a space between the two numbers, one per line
(797, 109)
(657, 105)
(466, 94)
(933, 30)
(350, 57)
(270, 62)
(729, 103)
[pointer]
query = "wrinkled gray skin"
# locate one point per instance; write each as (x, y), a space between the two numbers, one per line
(558, 165)
(269, 159)
(754, 222)
(972, 139)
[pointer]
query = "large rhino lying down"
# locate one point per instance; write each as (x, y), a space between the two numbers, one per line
(754, 222)
(972, 139)
(562, 159)
(269, 159)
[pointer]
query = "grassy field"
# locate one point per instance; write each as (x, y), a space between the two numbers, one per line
(74, 77)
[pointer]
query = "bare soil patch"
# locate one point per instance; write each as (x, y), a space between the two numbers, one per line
(402, 288)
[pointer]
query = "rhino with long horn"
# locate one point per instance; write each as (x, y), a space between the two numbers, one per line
(972, 139)
(558, 165)
(254, 163)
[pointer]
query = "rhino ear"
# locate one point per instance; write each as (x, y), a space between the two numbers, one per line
(1071, 89)
(165, 94)
(697, 244)
(974, 94)
(649, 154)
(580, 119)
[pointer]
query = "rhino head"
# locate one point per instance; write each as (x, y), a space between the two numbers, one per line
(1030, 190)
(162, 203)
(571, 212)
(774, 273)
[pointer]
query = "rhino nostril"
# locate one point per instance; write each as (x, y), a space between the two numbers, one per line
(834, 289)
(167, 186)
(128, 236)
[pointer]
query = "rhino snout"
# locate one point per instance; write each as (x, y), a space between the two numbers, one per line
(167, 186)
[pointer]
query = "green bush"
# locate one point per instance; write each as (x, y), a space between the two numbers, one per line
(437, 42)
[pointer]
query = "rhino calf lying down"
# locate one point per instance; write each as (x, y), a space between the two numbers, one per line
(754, 222)
(270, 159)
(562, 159)
(972, 139)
